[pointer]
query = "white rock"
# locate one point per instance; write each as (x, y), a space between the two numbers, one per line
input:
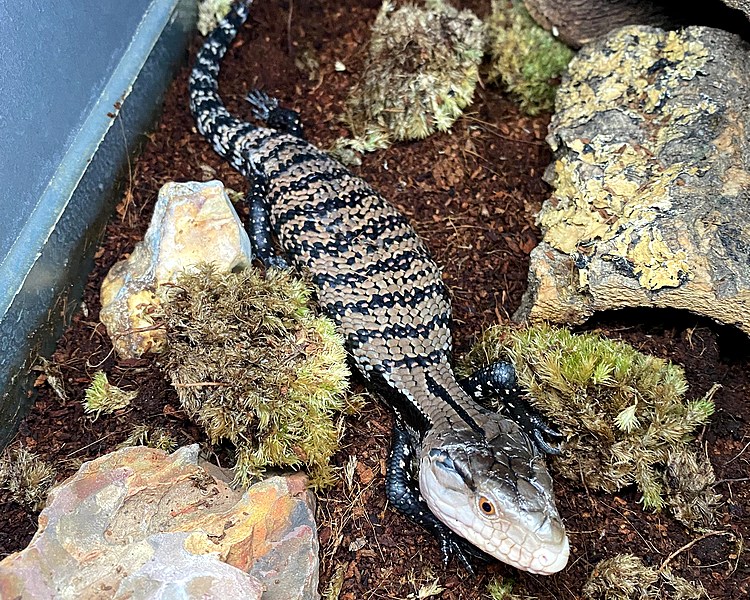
(192, 223)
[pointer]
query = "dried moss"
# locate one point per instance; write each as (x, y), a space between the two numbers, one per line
(690, 479)
(26, 476)
(421, 71)
(622, 412)
(103, 397)
(528, 60)
(253, 365)
(625, 577)
(151, 437)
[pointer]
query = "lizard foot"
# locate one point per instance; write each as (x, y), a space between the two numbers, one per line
(452, 545)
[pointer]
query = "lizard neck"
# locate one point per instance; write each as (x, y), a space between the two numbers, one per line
(431, 402)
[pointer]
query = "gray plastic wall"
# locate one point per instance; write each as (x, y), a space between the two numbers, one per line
(80, 82)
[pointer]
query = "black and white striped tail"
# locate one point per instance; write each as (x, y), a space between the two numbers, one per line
(230, 137)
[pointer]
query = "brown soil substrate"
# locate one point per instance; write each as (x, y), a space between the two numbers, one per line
(472, 194)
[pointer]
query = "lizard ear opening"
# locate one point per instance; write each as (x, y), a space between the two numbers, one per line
(442, 459)
(450, 468)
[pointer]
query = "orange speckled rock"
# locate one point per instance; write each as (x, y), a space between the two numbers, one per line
(140, 523)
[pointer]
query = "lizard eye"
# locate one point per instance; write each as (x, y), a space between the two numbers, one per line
(486, 506)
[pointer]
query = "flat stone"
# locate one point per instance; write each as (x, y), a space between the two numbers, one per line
(192, 223)
(139, 523)
(650, 202)
(284, 553)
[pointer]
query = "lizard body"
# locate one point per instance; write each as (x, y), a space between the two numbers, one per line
(482, 481)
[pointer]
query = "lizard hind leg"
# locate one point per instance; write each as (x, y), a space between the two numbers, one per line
(266, 108)
(259, 226)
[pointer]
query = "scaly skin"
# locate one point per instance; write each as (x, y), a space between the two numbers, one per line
(480, 476)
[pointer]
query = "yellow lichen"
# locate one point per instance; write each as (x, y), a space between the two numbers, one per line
(654, 262)
(611, 190)
(630, 82)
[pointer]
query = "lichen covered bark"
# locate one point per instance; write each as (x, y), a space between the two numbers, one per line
(649, 206)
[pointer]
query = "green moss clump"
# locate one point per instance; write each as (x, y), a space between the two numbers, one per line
(625, 577)
(528, 60)
(421, 71)
(26, 476)
(103, 397)
(151, 437)
(622, 412)
(502, 589)
(253, 365)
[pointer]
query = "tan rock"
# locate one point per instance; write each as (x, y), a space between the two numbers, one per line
(649, 206)
(139, 523)
(192, 223)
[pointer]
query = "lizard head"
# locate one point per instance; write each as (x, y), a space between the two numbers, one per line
(497, 494)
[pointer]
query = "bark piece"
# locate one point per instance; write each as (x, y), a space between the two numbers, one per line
(650, 202)
(578, 22)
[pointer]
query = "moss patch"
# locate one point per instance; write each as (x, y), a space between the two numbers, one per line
(210, 13)
(254, 365)
(151, 437)
(103, 397)
(622, 412)
(27, 477)
(421, 71)
(625, 577)
(525, 58)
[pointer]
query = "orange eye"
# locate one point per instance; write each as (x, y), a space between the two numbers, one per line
(486, 506)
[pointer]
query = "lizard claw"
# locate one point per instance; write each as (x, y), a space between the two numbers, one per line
(544, 445)
(450, 548)
(452, 545)
(275, 262)
(262, 104)
(541, 431)
(536, 427)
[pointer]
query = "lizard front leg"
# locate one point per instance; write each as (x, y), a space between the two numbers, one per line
(498, 380)
(402, 491)
(259, 227)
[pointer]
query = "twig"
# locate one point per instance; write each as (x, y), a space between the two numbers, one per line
(740, 453)
(692, 543)
(289, 27)
(101, 439)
